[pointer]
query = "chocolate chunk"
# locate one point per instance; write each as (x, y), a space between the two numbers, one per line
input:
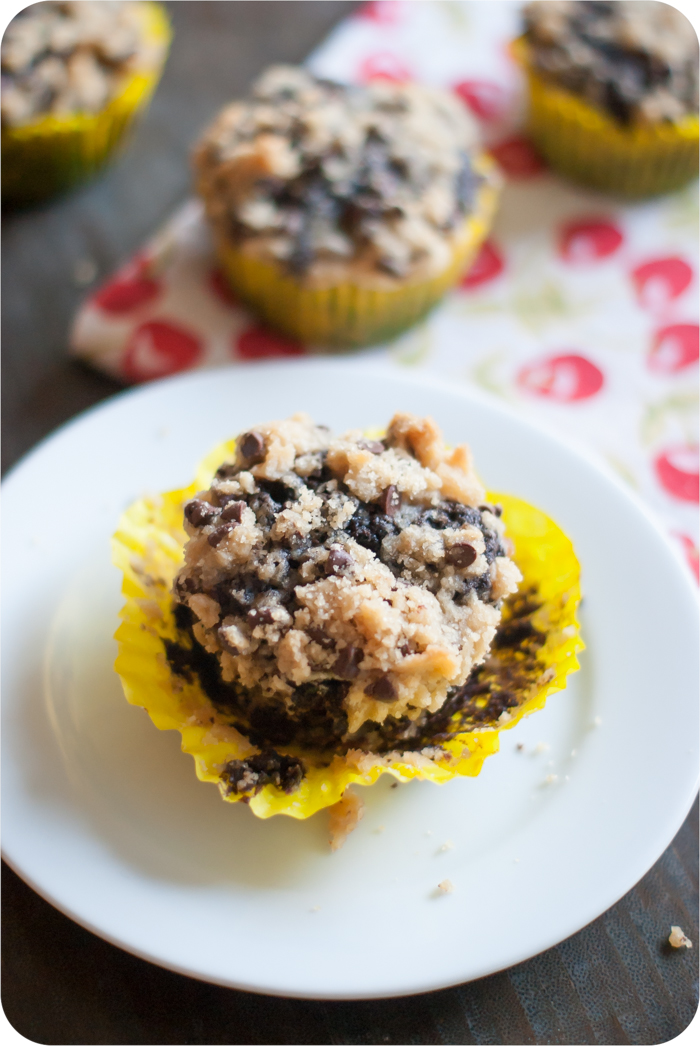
(218, 535)
(269, 767)
(261, 616)
(252, 448)
(199, 513)
(233, 512)
(347, 665)
(338, 561)
(369, 526)
(320, 637)
(461, 555)
(372, 445)
(389, 501)
(382, 689)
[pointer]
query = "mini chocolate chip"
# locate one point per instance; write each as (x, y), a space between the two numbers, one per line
(198, 512)
(218, 535)
(262, 616)
(495, 510)
(372, 445)
(338, 561)
(461, 555)
(320, 637)
(252, 447)
(382, 689)
(405, 649)
(347, 665)
(233, 512)
(389, 500)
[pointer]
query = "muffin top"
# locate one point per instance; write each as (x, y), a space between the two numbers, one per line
(637, 59)
(368, 570)
(64, 58)
(322, 177)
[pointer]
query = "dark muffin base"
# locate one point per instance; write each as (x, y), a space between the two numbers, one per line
(320, 726)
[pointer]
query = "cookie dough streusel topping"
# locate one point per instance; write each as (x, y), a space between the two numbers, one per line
(636, 58)
(375, 563)
(60, 58)
(332, 180)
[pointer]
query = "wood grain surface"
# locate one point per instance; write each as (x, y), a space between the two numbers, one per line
(617, 981)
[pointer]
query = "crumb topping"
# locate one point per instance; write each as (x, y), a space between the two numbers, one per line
(638, 60)
(364, 575)
(68, 57)
(322, 176)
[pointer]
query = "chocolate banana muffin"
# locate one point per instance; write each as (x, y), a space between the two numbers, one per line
(332, 179)
(60, 58)
(635, 59)
(336, 587)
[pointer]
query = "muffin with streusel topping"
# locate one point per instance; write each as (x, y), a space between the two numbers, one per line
(343, 213)
(337, 608)
(613, 92)
(74, 76)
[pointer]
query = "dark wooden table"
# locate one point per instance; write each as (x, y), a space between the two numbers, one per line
(617, 981)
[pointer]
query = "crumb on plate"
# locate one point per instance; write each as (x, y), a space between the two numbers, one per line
(344, 817)
(677, 939)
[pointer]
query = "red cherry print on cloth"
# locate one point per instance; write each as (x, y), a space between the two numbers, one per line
(131, 288)
(219, 285)
(588, 241)
(564, 378)
(674, 347)
(487, 266)
(659, 281)
(384, 66)
(158, 348)
(692, 555)
(385, 12)
(517, 158)
(258, 342)
(677, 471)
(486, 99)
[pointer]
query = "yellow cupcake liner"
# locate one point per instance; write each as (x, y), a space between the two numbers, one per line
(148, 548)
(352, 313)
(589, 146)
(55, 152)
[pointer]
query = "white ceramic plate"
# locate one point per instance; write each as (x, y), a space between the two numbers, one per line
(103, 814)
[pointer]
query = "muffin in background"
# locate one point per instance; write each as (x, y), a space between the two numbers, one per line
(613, 92)
(74, 76)
(342, 214)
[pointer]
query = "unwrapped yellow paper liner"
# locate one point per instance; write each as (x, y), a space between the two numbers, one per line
(148, 548)
(54, 152)
(352, 314)
(591, 147)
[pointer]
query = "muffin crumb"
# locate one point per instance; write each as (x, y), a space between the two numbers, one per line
(344, 817)
(677, 939)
